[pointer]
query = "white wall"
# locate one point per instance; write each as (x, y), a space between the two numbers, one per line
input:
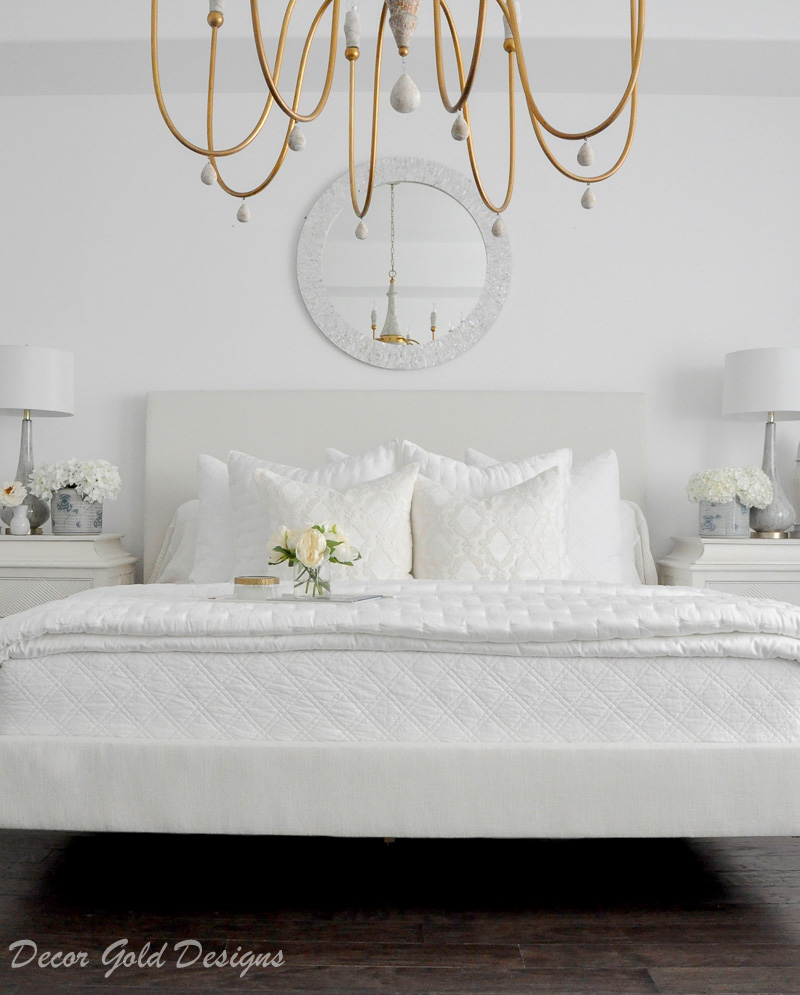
(112, 248)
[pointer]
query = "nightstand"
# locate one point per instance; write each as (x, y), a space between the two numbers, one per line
(37, 569)
(757, 568)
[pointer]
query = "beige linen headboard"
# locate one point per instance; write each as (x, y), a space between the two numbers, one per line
(296, 426)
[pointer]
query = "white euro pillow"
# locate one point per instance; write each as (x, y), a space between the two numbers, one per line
(375, 516)
(594, 529)
(252, 528)
(213, 557)
(518, 533)
(481, 481)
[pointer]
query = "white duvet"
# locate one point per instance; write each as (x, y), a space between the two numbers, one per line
(567, 618)
(556, 662)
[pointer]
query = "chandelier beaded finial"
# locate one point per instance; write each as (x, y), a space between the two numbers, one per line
(402, 17)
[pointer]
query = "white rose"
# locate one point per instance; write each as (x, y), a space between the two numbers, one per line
(345, 554)
(13, 494)
(312, 549)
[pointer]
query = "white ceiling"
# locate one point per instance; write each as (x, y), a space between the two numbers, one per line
(692, 46)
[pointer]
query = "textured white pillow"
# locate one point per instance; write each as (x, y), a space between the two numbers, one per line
(252, 529)
(482, 481)
(213, 558)
(516, 534)
(594, 527)
(375, 516)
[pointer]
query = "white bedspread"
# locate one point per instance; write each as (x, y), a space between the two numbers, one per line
(559, 709)
(566, 618)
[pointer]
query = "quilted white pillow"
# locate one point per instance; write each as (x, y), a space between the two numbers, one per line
(594, 529)
(516, 534)
(252, 529)
(376, 517)
(213, 557)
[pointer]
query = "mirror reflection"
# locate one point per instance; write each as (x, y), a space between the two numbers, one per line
(421, 267)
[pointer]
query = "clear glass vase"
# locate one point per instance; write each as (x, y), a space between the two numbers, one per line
(313, 583)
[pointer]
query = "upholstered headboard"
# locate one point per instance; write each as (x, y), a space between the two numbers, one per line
(296, 426)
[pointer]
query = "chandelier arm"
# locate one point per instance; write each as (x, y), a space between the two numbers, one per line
(301, 72)
(637, 42)
(272, 82)
(512, 128)
(466, 86)
(609, 172)
(162, 105)
(376, 99)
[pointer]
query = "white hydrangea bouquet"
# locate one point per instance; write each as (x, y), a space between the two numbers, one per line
(747, 484)
(310, 550)
(93, 480)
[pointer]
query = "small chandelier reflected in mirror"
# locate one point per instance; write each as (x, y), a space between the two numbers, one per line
(392, 332)
(401, 16)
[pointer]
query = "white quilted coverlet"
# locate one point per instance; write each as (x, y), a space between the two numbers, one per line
(435, 662)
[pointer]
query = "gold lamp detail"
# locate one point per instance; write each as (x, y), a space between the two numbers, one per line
(402, 17)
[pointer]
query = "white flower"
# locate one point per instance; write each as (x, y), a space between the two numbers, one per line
(344, 554)
(94, 480)
(12, 494)
(750, 485)
(311, 549)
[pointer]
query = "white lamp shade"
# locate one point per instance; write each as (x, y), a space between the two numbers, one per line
(36, 379)
(758, 381)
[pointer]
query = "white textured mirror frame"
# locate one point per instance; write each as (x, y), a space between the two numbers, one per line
(335, 199)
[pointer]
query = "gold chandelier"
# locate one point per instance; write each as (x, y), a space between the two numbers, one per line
(405, 97)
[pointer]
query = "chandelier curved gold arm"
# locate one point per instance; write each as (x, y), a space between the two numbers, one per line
(634, 101)
(160, 97)
(466, 86)
(637, 43)
(376, 99)
(301, 72)
(512, 128)
(272, 83)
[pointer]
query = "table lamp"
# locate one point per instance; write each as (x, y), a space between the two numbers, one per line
(34, 381)
(765, 383)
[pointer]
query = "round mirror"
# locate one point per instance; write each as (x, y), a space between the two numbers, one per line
(429, 261)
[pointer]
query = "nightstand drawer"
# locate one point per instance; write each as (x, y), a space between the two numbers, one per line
(20, 593)
(776, 590)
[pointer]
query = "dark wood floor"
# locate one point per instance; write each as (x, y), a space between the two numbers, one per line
(611, 916)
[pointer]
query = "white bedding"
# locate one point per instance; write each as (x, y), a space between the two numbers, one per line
(438, 662)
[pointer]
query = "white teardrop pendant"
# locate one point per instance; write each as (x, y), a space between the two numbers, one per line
(296, 140)
(585, 154)
(243, 214)
(460, 129)
(588, 200)
(209, 174)
(405, 96)
(499, 227)
(361, 230)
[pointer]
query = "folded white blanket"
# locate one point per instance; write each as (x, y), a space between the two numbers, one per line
(567, 618)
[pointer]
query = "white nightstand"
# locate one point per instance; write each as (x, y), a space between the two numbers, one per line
(757, 568)
(37, 569)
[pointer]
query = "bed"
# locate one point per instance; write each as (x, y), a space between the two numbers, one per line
(449, 708)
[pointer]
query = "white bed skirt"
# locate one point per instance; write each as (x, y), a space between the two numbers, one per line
(401, 790)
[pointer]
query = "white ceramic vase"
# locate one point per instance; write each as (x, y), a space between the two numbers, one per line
(20, 523)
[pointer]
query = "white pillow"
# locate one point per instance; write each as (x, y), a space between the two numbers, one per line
(175, 561)
(482, 481)
(517, 534)
(375, 517)
(594, 527)
(213, 558)
(252, 528)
